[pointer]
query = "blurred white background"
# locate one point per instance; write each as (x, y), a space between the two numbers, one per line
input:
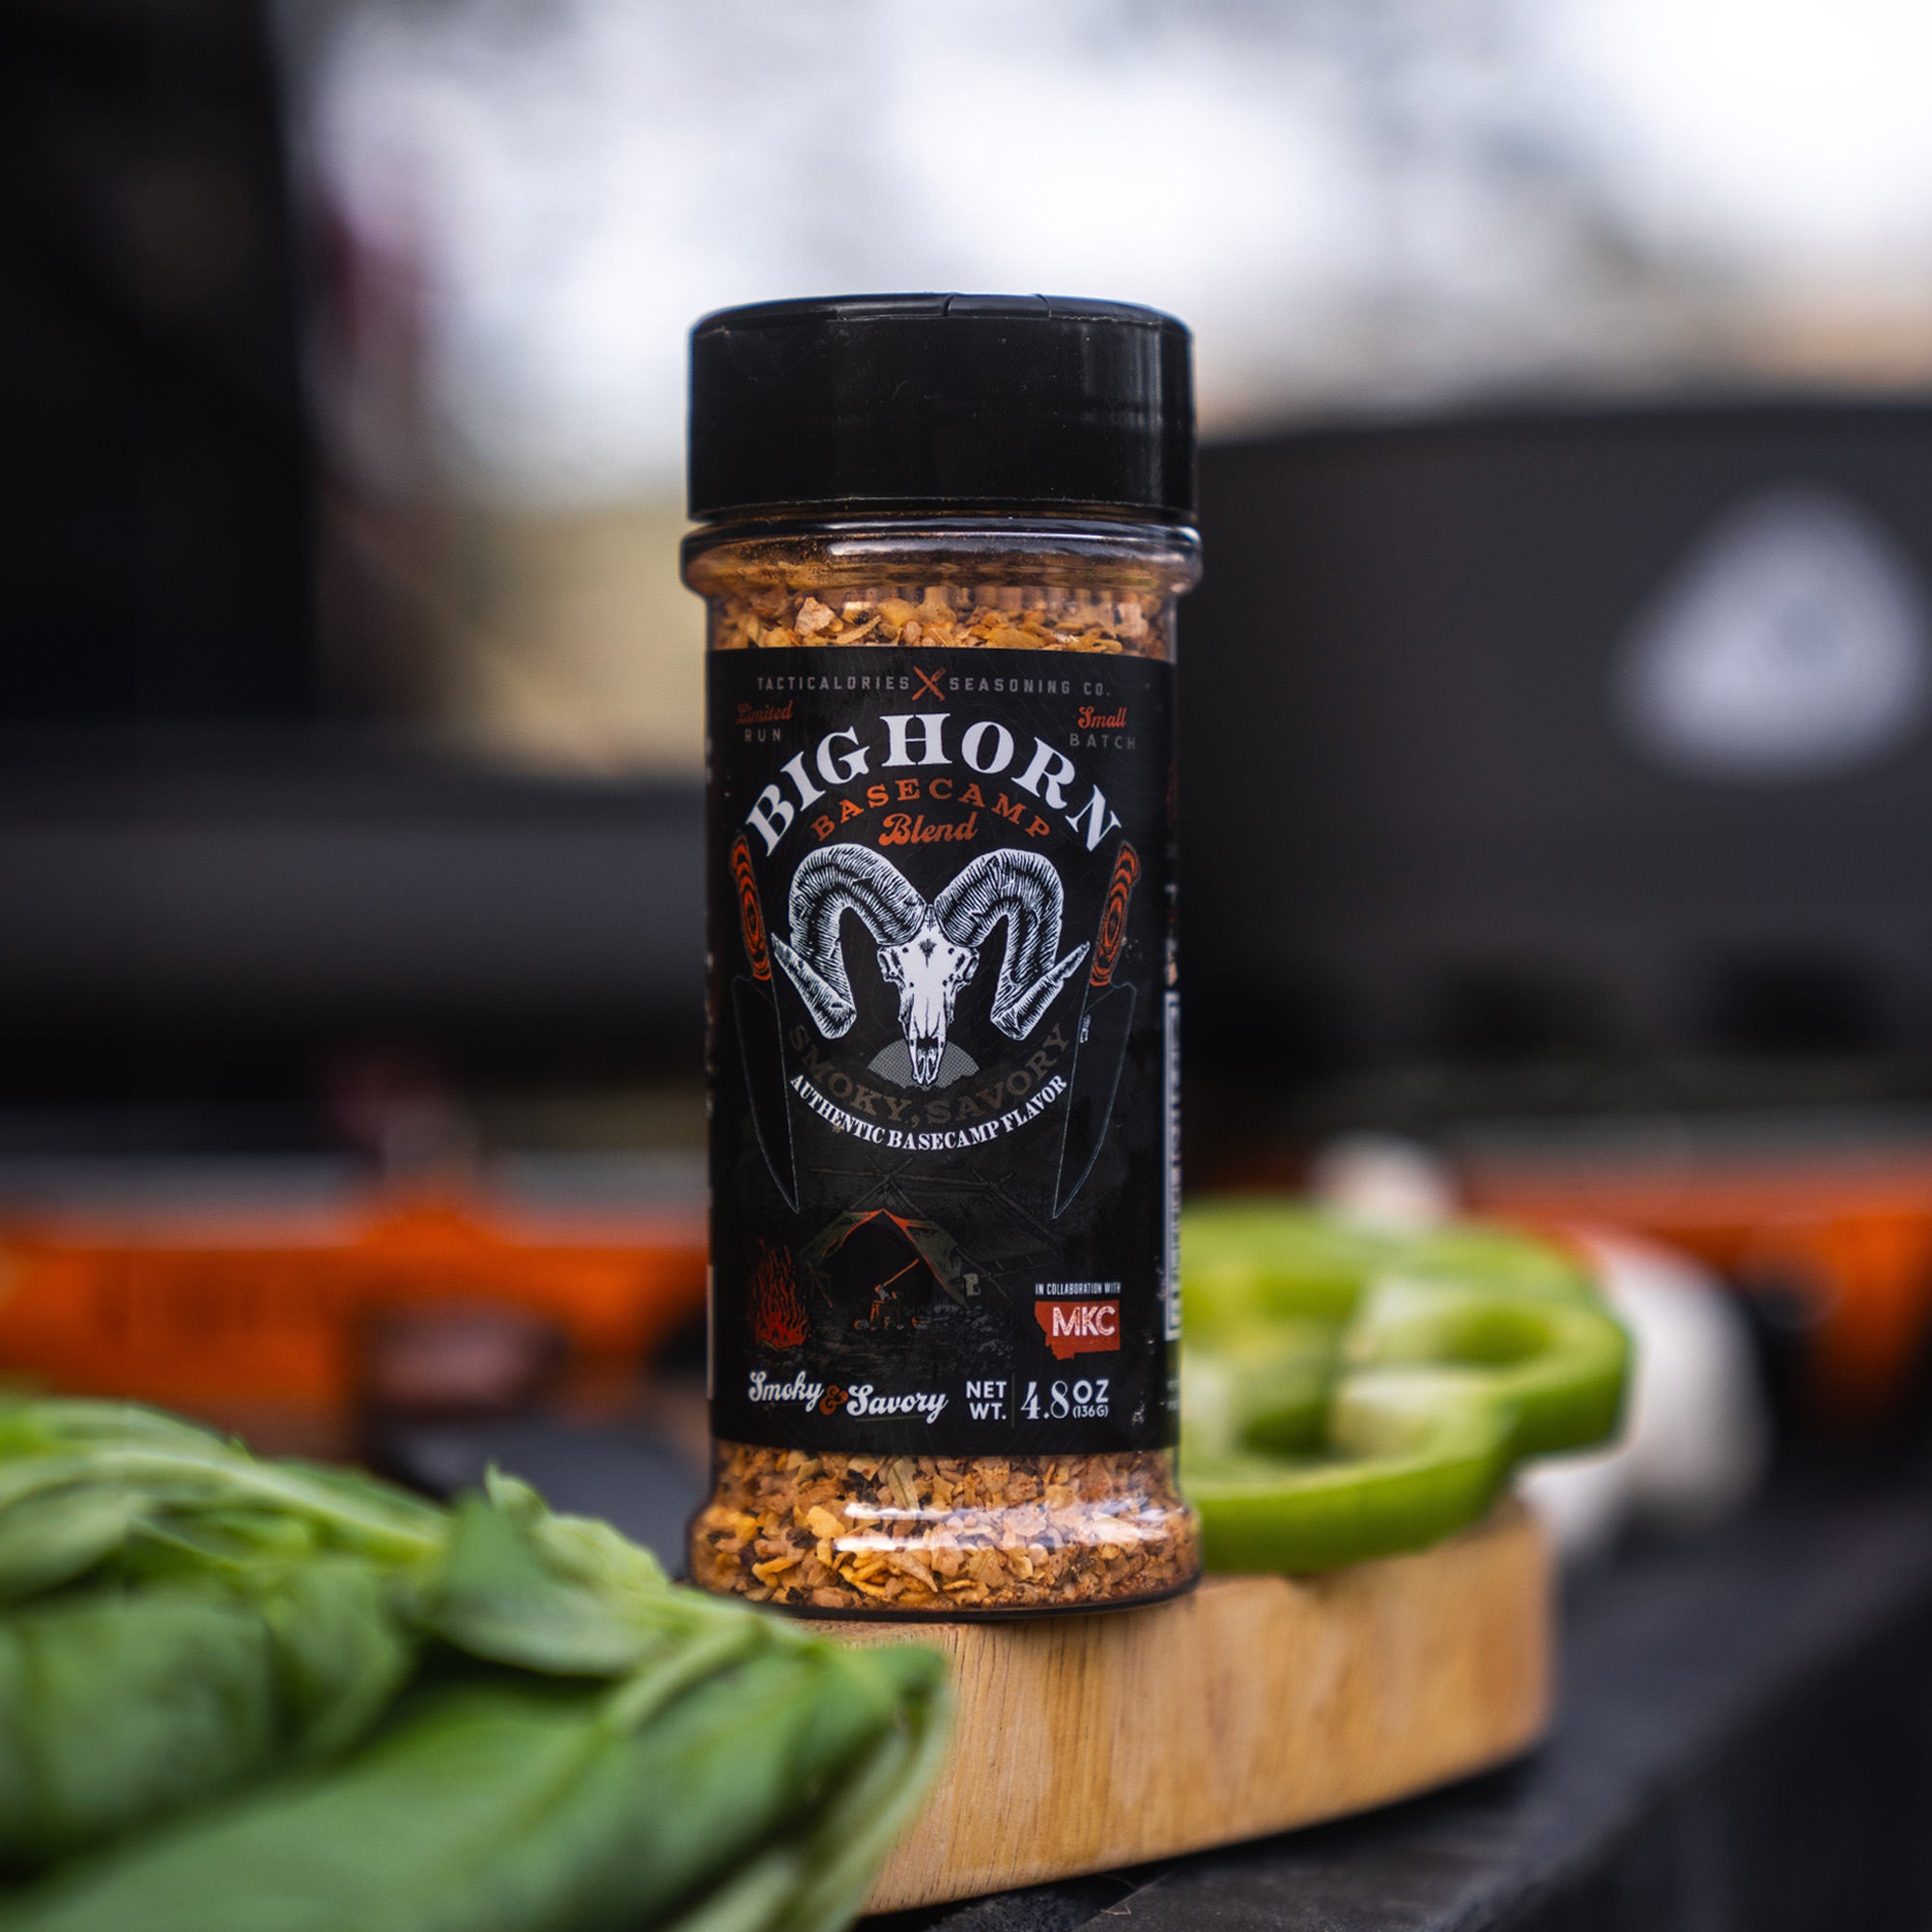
(1359, 206)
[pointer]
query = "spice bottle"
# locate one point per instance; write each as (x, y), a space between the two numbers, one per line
(942, 539)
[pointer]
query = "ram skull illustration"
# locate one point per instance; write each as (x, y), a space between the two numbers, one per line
(927, 950)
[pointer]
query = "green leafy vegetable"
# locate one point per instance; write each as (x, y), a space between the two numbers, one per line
(239, 1693)
(558, 1594)
(85, 1484)
(508, 1810)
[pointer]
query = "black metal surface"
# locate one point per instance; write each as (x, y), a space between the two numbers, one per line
(1744, 1744)
(160, 555)
(267, 895)
(1416, 821)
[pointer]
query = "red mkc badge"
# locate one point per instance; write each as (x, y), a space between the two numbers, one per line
(1079, 1328)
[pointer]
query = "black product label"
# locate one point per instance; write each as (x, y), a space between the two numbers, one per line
(943, 1047)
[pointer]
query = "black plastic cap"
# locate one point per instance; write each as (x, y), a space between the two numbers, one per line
(937, 403)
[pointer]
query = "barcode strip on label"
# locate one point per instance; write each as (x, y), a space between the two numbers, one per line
(1171, 1154)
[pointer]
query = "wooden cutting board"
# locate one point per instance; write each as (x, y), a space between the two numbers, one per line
(1255, 1704)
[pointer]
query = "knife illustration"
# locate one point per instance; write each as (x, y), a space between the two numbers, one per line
(1101, 1046)
(754, 1007)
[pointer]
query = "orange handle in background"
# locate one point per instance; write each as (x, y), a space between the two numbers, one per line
(226, 1313)
(1847, 1232)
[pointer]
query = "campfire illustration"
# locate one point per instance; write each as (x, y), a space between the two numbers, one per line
(779, 1319)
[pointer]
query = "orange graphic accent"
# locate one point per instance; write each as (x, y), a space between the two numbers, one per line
(1114, 915)
(751, 915)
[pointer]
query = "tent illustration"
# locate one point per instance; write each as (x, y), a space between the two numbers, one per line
(881, 1270)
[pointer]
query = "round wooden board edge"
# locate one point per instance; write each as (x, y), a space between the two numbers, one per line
(1372, 1623)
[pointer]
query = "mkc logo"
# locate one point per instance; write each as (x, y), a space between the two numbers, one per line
(1079, 1328)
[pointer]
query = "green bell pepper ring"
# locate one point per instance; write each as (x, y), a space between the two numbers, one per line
(1248, 1261)
(1244, 1263)
(1331, 1419)
(1557, 1368)
(1412, 1456)
(1265, 1390)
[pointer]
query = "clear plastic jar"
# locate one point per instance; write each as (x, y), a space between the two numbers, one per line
(942, 1033)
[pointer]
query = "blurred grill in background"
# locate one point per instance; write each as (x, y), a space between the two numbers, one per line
(1594, 738)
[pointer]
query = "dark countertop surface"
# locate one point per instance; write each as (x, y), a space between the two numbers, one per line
(1744, 1743)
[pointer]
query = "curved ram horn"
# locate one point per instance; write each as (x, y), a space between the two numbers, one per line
(829, 883)
(1023, 889)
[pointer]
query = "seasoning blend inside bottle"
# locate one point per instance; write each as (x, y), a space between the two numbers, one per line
(942, 541)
